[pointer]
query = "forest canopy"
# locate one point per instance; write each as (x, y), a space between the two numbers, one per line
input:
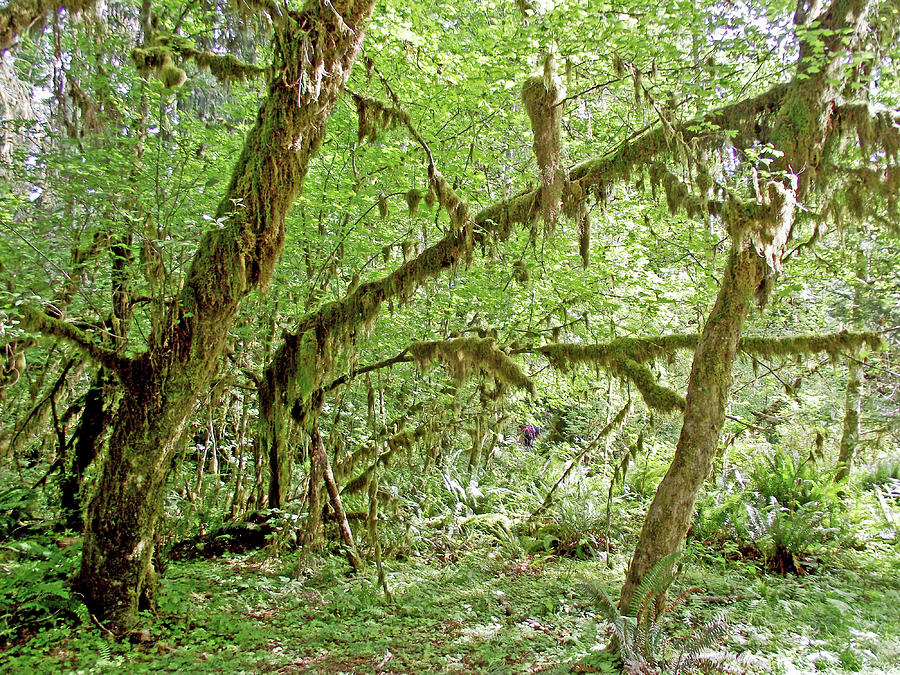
(305, 277)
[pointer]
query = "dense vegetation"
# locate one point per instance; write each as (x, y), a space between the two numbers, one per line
(283, 284)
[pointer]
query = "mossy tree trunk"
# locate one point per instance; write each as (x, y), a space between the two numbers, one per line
(852, 410)
(315, 51)
(669, 515)
(855, 379)
(800, 130)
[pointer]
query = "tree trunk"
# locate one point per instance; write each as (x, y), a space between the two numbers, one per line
(314, 54)
(669, 515)
(87, 442)
(800, 130)
(852, 409)
(321, 458)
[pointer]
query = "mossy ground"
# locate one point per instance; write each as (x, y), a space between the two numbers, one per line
(481, 608)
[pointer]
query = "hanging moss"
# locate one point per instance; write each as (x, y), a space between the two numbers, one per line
(520, 272)
(430, 197)
(543, 94)
(446, 196)
(625, 356)
(470, 357)
(408, 248)
(159, 62)
(413, 198)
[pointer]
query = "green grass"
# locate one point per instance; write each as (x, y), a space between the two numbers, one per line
(481, 613)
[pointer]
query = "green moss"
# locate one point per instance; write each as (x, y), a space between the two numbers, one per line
(543, 94)
(471, 357)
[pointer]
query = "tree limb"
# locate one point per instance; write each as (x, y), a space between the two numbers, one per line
(36, 321)
(20, 16)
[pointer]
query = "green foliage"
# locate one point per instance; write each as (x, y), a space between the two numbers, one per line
(885, 473)
(34, 587)
(789, 509)
(792, 481)
(571, 527)
(645, 637)
(16, 504)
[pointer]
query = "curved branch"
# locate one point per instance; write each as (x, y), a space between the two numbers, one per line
(34, 320)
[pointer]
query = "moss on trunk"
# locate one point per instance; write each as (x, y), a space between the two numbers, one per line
(852, 410)
(669, 515)
(315, 51)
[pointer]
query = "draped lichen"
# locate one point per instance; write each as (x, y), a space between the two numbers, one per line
(468, 357)
(543, 94)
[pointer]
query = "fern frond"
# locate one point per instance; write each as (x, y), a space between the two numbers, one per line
(709, 634)
(684, 595)
(654, 583)
(604, 603)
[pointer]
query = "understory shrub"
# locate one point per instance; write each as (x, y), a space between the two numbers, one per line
(788, 509)
(34, 586)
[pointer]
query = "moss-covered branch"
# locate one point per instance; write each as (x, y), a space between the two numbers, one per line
(625, 357)
(640, 350)
(20, 16)
(160, 59)
(34, 320)
(741, 118)
(464, 357)
(833, 344)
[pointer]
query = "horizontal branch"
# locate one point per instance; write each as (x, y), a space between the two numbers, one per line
(36, 321)
(20, 16)
(336, 325)
(223, 67)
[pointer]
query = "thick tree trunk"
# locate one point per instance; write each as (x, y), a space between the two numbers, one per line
(315, 52)
(852, 410)
(669, 515)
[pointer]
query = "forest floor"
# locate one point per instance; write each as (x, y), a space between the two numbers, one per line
(482, 608)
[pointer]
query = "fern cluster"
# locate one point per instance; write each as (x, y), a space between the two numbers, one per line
(645, 637)
(788, 509)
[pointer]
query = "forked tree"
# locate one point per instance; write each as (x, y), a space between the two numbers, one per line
(315, 49)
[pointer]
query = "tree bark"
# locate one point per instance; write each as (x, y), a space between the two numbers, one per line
(321, 458)
(800, 130)
(670, 512)
(315, 52)
(852, 410)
